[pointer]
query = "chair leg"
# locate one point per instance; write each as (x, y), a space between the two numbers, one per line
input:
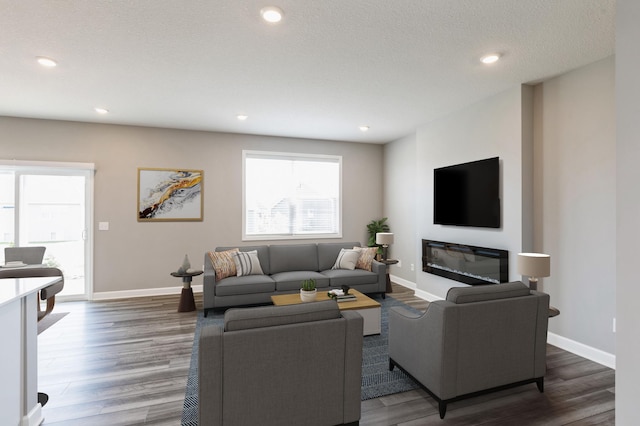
(442, 407)
(50, 304)
(391, 364)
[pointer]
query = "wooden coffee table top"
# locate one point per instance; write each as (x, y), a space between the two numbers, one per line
(362, 301)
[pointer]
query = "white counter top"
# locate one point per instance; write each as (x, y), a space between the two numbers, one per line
(15, 288)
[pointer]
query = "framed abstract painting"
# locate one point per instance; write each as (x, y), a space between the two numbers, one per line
(170, 195)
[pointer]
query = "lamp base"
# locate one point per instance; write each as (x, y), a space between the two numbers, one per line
(533, 284)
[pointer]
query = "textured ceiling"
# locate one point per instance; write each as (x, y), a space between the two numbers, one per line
(328, 67)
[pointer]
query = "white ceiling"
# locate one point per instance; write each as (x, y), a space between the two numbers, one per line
(327, 68)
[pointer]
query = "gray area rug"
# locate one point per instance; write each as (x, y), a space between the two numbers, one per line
(377, 380)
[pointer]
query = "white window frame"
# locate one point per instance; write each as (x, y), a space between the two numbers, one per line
(288, 156)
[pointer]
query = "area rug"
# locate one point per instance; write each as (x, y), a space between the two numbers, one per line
(377, 380)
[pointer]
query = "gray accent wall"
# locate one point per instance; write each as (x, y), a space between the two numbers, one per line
(140, 256)
(627, 211)
(490, 128)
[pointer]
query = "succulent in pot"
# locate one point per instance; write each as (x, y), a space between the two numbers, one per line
(308, 290)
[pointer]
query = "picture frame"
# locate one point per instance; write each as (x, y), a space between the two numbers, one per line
(170, 195)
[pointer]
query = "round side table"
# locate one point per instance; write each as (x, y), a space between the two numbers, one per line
(187, 302)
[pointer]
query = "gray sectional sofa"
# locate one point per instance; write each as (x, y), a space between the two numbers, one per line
(285, 267)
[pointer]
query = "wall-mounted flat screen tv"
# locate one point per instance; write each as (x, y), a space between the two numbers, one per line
(468, 194)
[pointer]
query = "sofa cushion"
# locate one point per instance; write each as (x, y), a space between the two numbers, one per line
(327, 253)
(339, 277)
(263, 255)
(367, 254)
(247, 263)
(481, 293)
(269, 316)
(292, 280)
(346, 259)
(250, 284)
(223, 263)
(294, 257)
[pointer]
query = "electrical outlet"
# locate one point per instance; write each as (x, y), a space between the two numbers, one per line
(614, 325)
(413, 267)
(399, 264)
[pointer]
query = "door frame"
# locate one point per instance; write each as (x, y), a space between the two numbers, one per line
(63, 168)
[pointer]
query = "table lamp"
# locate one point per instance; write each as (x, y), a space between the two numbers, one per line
(534, 265)
(384, 239)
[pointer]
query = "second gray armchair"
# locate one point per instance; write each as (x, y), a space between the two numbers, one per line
(479, 339)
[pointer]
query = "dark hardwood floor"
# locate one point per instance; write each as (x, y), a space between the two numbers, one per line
(125, 362)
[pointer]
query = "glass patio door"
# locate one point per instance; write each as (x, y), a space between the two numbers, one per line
(50, 207)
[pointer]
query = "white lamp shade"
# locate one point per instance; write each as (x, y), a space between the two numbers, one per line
(535, 265)
(384, 238)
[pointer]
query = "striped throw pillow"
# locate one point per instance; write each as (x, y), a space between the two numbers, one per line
(247, 263)
(347, 259)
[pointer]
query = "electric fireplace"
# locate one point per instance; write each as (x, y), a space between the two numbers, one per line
(468, 264)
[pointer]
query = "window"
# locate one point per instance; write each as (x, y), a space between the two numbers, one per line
(291, 196)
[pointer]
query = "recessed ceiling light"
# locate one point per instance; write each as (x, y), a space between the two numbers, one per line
(364, 128)
(242, 117)
(490, 58)
(46, 62)
(271, 14)
(101, 110)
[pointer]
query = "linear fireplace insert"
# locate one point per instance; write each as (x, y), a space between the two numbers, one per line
(468, 264)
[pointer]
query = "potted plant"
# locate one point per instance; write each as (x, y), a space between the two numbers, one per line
(373, 228)
(308, 290)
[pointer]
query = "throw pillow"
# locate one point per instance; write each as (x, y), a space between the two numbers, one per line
(367, 254)
(347, 259)
(247, 263)
(223, 263)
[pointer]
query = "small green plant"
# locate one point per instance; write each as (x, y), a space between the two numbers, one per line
(308, 285)
(373, 228)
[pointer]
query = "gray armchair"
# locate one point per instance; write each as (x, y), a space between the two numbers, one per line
(28, 255)
(480, 339)
(277, 365)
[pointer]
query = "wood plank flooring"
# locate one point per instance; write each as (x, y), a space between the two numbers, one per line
(125, 362)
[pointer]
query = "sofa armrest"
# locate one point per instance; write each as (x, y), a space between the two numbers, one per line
(380, 269)
(208, 284)
(419, 343)
(210, 368)
(353, 366)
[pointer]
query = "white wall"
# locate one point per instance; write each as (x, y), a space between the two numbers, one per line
(139, 256)
(400, 204)
(628, 211)
(575, 215)
(494, 127)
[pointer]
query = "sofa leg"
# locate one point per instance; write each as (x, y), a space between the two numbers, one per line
(540, 384)
(442, 407)
(205, 312)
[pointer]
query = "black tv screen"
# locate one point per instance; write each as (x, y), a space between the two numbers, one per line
(468, 194)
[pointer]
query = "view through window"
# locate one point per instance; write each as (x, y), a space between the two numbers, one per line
(291, 195)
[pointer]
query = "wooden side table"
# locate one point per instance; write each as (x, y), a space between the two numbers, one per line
(187, 302)
(389, 262)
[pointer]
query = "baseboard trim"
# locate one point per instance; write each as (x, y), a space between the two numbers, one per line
(580, 349)
(577, 348)
(146, 292)
(411, 285)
